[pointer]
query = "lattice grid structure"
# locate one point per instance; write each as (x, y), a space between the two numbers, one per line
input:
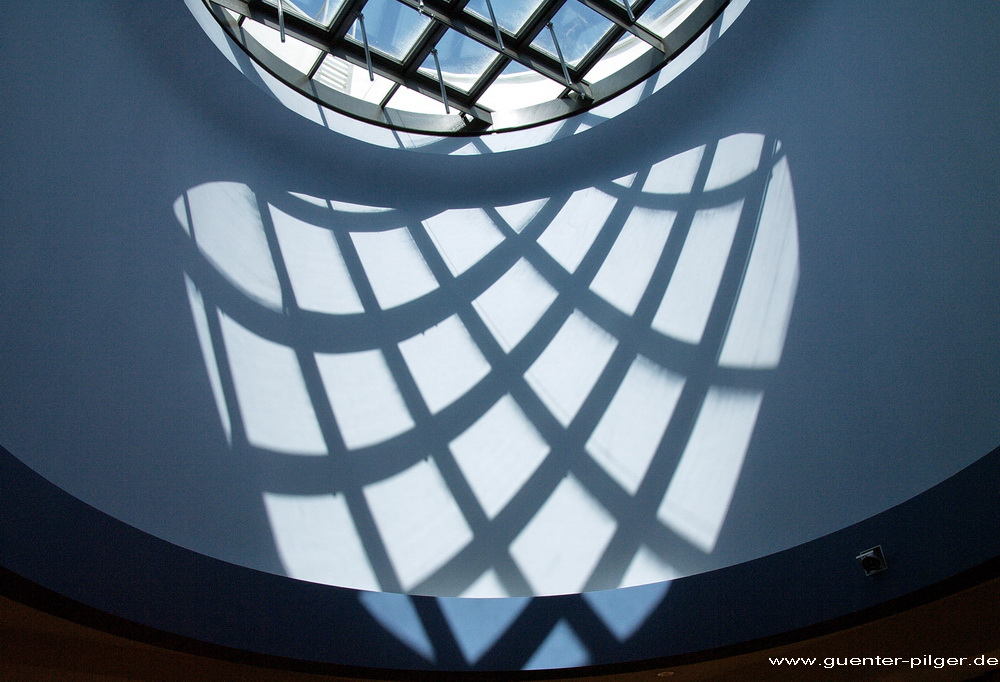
(463, 66)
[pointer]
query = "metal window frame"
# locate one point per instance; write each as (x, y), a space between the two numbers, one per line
(460, 112)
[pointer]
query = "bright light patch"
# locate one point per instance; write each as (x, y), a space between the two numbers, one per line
(624, 276)
(275, 380)
(463, 237)
(676, 174)
(315, 266)
(208, 353)
(498, 454)
(516, 88)
(227, 227)
(445, 362)
(647, 567)
(419, 521)
(559, 548)
(303, 107)
(309, 199)
(570, 234)
(684, 310)
(566, 371)
(736, 157)
(348, 207)
(395, 268)
(561, 649)
(512, 306)
(486, 586)
(295, 53)
(275, 406)
(698, 496)
(625, 180)
(757, 330)
(406, 99)
(626, 438)
(519, 215)
(317, 540)
(365, 399)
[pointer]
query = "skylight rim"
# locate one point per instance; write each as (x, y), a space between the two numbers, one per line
(466, 119)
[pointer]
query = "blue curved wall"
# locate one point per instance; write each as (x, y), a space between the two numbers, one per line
(887, 116)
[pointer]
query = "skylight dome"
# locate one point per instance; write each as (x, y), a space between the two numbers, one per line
(462, 67)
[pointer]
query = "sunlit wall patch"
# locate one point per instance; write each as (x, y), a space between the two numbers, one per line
(510, 416)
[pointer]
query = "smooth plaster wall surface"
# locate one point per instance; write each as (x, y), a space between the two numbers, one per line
(888, 116)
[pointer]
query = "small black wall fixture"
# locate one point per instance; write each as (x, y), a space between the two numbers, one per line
(872, 560)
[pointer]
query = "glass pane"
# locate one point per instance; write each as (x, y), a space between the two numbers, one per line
(320, 12)
(393, 28)
(578, 30)
(511, 14)
(517, 87)
(463, 60)
(663, 15)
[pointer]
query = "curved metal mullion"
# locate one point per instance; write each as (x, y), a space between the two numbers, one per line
(514, 49)
(620, 17)
(509, 47)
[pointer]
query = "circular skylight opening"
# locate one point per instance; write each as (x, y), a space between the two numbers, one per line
(462, 67)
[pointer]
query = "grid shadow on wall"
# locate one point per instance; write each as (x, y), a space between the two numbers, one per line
(549, 397)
